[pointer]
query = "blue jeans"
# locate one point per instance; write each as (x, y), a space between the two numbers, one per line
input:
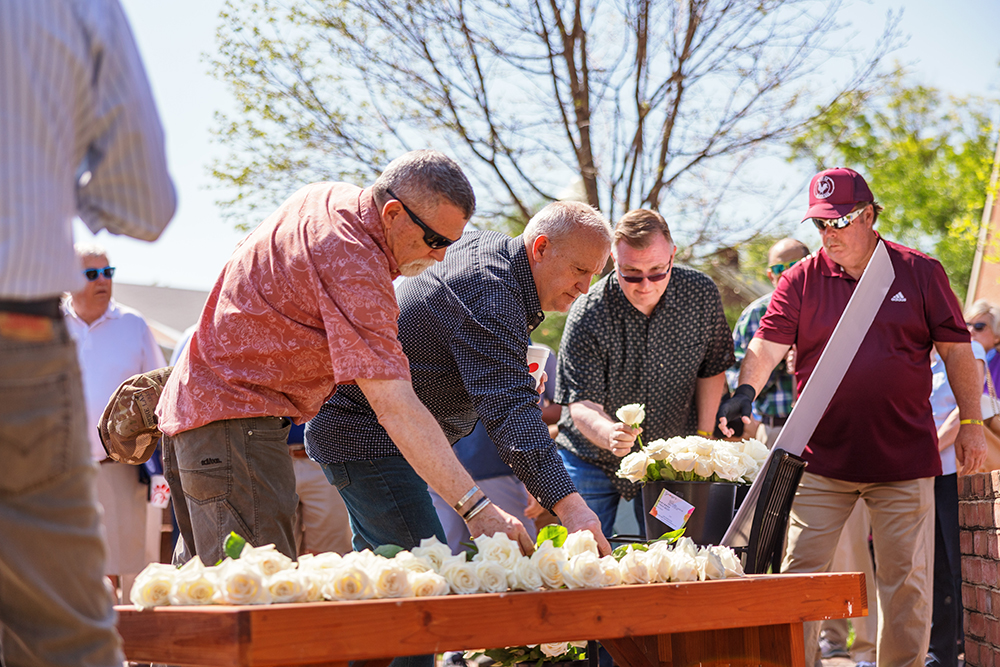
(388, 504)
(387, 501)
(599, 493)
(55, 605)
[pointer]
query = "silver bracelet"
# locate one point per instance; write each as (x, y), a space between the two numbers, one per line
(464, 499)
(482, 504)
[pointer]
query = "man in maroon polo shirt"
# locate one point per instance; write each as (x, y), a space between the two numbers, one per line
(877, 441)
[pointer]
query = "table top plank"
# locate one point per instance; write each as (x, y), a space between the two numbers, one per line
(291, 634)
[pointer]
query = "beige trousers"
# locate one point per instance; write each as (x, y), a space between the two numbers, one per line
(852, 555)
(902, 522)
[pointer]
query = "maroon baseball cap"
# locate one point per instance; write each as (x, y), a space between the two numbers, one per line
(834, 193)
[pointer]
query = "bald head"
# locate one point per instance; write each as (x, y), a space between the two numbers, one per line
(785, 252)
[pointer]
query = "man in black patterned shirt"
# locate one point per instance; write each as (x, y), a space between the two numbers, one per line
(651, 333)
(465, 325)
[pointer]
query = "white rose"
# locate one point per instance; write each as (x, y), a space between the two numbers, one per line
(755, 448)
(686, 545)
(364, 559)
(710, 566)
(287, 586)
(324, 561)
(427, 584)
(660, 565)
(611, 570)
(554, 649)
(685, 567)
(267, 559)
(734, 568)
(635, 568)
(524, 576)
(241, 583)
(583, 571)
(461, 575)
(412, 563)
(348, 582)
(152, 586)
(497, 548)
(194, 584)
(390, 580)
(314, 580)
(433, 550)
(703, 467)
(580, 542)
(683, 461)
(492, 576)
(701, 446)
(728, 465)
(631, 414)
(548, 559)
(659, 450)
(633, 466)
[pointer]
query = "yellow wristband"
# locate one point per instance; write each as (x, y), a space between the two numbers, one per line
(704, 434)
(963, 422)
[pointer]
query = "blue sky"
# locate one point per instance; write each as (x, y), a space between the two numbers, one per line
(954, 47)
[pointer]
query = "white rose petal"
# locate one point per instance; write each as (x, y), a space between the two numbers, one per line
(524, 576)
(324, 561)
(734, 568)
(492, 576)
(703, 467)
(633, 466)
(266, 558)
(685, 567)
(580, 542)
(461, 575)
(611, 570)
(433, 550)
(241, 583)
(635, 568)
(390, 580)
(686, 545)
(548, 559)
(583, 571)
(554, 649)
(659, 450)
(194, 584)
(412, 563)
(660, 564)
(710, 566)
(683, 461)
(427, 584)
(287, 586)
(631, 414)
(348, 582)
(152, 586)
(498, 548)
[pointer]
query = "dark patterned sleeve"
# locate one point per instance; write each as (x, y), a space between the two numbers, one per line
(582, 373)
(719, 353)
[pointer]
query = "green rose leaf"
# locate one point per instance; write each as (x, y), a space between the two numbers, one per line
(672, 536)
(556, 533)
(234, 546)
(388, 550)
(667, 472)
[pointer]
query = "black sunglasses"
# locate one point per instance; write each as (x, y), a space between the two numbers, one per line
(108, 272)
(635, 280)
(978, 326)
(433, 240)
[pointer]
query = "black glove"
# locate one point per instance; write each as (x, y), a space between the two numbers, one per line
(737, 407)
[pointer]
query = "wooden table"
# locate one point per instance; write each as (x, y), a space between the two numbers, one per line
(749, 621)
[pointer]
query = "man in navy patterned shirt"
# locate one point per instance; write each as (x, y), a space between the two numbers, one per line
(464, 325)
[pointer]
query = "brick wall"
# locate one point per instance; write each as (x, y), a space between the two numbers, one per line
(979, 518)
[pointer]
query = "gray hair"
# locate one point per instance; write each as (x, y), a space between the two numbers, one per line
(86, 249)
(424, 178)
(983, 307)
(562, 218)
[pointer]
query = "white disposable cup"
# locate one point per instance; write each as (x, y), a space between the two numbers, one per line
(537, 356)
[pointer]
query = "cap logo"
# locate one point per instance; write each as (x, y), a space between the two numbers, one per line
(824, 187)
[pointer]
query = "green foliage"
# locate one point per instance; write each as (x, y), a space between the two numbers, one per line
(388, 550)
(927, 158)
(670, 538)
(553, 532)
(233, 546)
(530, 655)
(550, 331)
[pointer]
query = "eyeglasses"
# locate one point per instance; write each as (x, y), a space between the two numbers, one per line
(635, 280)
(978, 326)
(93, 274)
(837, 223)
(433, 240)
(777, 269)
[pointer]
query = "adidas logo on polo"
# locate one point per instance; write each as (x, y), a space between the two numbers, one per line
(899, 298)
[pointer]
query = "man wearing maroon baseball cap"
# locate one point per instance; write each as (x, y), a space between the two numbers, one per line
(877, 441)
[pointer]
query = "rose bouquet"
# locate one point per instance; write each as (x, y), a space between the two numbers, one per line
(691, 458)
